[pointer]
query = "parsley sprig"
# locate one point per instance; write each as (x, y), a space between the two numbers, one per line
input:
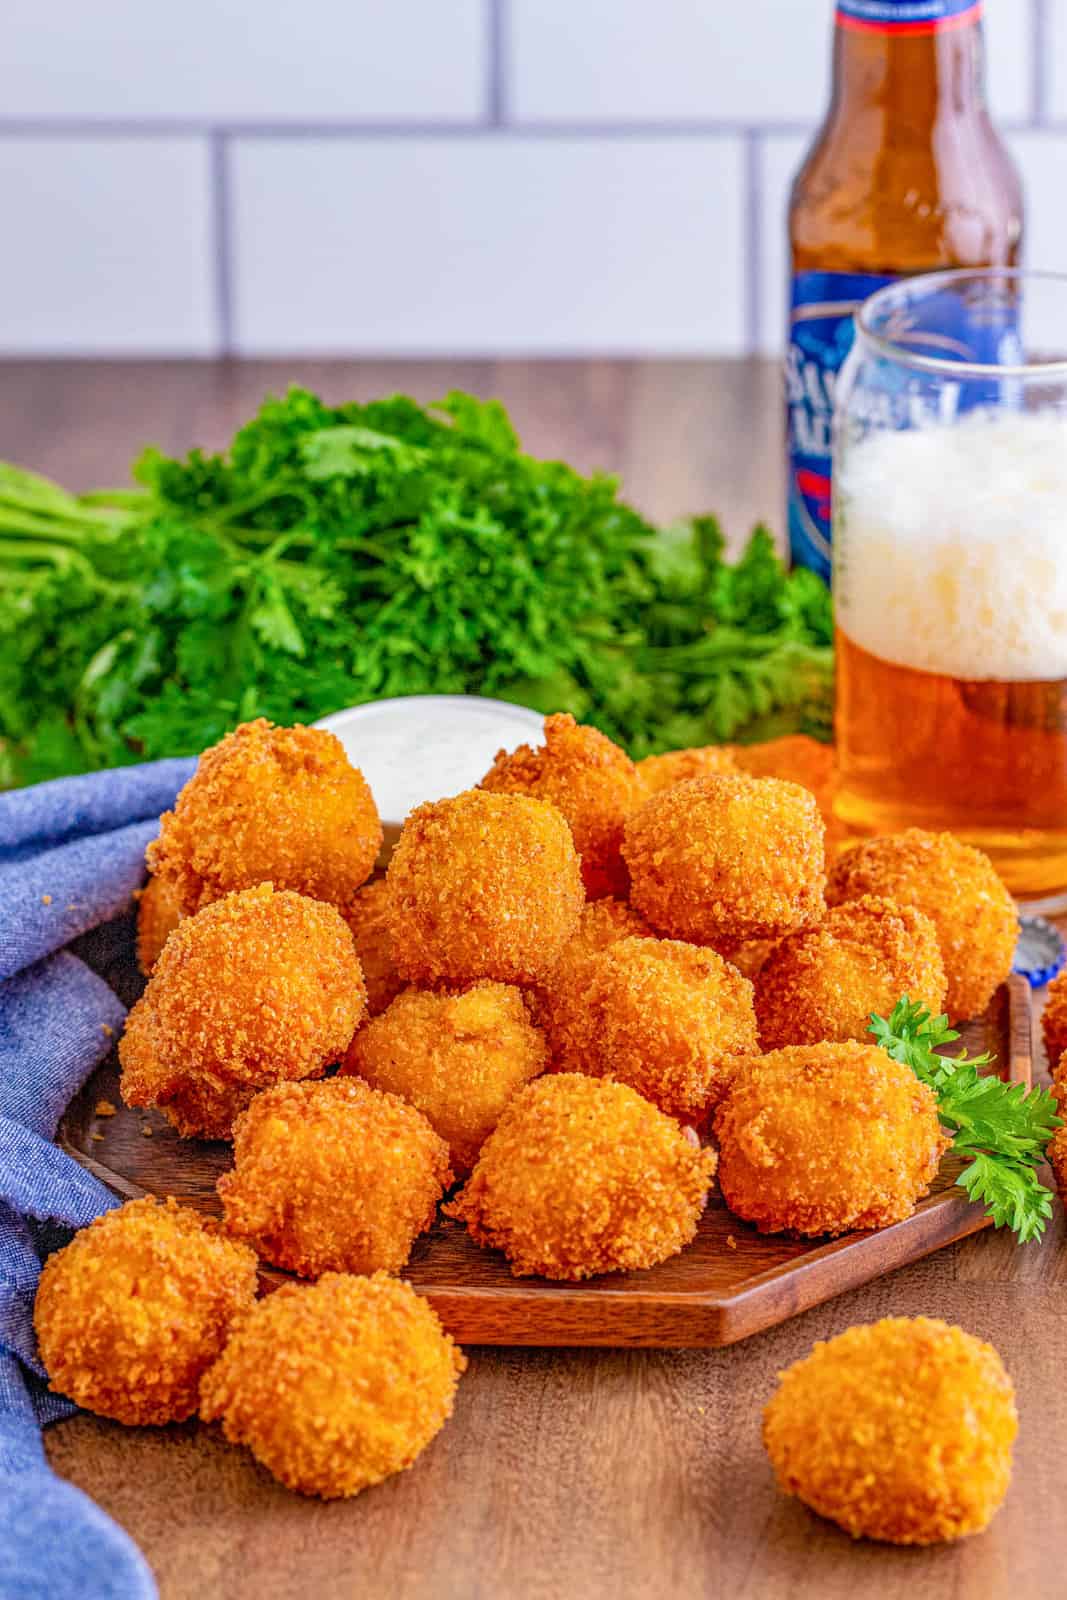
(1002, 1128)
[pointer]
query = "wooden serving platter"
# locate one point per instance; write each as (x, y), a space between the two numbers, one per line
(729, 1283)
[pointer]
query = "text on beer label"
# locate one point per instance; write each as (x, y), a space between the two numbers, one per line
(820, 337)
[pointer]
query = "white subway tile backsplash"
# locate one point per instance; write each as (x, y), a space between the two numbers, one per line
(1009, 73)
(474, 214)
(1042, 160)
(106, 247)
(226, 60)
(780, 156)
(764, 63)
(624, 60)
(481, 246)
(1055, 66)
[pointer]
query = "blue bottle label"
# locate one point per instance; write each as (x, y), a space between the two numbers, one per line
(906, 16)
(820, 337)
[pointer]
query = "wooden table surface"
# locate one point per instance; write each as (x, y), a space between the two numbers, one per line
(564, 1475)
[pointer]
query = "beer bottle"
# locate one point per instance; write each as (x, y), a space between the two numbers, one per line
(906, 174)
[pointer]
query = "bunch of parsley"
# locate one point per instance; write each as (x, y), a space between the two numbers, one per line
(1002, 1129)
(338, 555)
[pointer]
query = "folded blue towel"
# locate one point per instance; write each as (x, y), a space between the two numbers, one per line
(71, 855)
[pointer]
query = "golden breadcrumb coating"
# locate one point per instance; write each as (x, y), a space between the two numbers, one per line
(335, 1386)
(333, 1177)
(581, 1176)
(267, 804)
(602, 923)
(262, 986)
(954, 885)
(1057, 1145)
(817, 1139)
(749, 956)
(200, 1106)
(824, 982)
(1054, 1021)
(458, 1058)
(483, 886)
(661, 1016)
(798, 759)
(900, 1430)
(714, 860)
(367, 915)
(675, 766)
(595, 785)
(795, 757)
(158, 914)
(138, 1305)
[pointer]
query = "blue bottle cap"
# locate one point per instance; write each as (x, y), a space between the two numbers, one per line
(1040, 952)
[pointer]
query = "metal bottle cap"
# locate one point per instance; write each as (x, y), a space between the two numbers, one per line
(1040, 952)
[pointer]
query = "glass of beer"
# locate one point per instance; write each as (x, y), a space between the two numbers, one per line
(950, 568)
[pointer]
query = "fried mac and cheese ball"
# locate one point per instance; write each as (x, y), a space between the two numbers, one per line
(721, 860)
(138, 1305)
(458, 1058)
(261, 986)
(590, 780)
(824, 982)
(817, 1139)
(1054, 1032)
(1054, 1021)
(1056, 1153)
(337, 1385)
(333, 1176)
(675, 766)
(367, 915)
(601, 924)
(900, 1430)
(661, 1016)
(200, 1105)
(582, 1176)
(267, 804)
(483, 886)
(158, 914)
(955, 886)
(749, 957)
(796, 758)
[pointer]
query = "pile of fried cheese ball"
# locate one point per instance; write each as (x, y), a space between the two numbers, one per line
(580, 993)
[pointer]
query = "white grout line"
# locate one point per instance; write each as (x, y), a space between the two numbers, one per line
(498, 35)
(1040, 57)
(179, 127)
(753, 242)
(222, 241)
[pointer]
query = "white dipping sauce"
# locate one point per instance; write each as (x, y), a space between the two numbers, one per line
(428, 746)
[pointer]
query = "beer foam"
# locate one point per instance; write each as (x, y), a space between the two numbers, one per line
(950, 547)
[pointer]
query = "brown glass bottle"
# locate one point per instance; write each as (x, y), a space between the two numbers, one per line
(906, 174)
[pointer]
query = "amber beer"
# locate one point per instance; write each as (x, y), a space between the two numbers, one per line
(905, 175)
(951, 606)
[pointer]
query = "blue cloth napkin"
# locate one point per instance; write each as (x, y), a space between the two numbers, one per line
(71, 855)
